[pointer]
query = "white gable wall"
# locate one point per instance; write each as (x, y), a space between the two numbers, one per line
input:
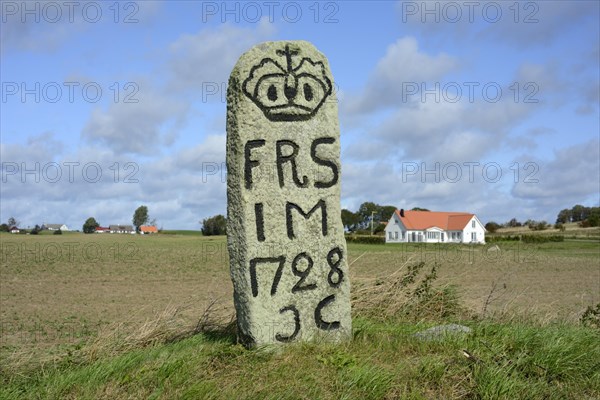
(394, 230)
(474, 232)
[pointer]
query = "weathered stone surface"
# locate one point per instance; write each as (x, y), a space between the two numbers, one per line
(286, 242)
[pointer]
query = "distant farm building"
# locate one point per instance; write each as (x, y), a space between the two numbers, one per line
(121, 229)
(102, 229)
(148, 229)
(55, 227)
(434, 227)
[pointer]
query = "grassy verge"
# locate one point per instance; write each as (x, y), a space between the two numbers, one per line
(384, 360)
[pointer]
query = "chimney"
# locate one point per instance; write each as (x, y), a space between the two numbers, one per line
(402, 212)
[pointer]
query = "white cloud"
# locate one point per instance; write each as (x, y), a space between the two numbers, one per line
(207, 57)
(45, 26)
(178, 189)
(141, 128)
(521, 24)
(403, 64)
(572, 175)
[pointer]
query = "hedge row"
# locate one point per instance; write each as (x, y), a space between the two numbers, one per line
(526, 238)
(365, 239)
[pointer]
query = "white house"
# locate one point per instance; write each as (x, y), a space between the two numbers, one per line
(55, 227)
(434, 227)
(121, 229)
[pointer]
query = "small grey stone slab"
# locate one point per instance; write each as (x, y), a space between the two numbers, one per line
(441, 332)
(287, 250)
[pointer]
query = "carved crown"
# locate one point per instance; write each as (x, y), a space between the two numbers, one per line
(290, 93)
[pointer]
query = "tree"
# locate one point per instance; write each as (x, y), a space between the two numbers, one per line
(419, 209)
(350, 219)
(564, 216)
(90, 225)
(12, 222)
(4, 228)
(216, 225)
(36, 230)
(387, 212)
(578, 213)
(57, 232)
(367, 209)
(492, 226)
(513, 223)
(594, 219)
(140, 217)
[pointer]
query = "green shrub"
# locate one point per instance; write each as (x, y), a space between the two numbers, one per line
(542, 238)
(525, 238)
(365, 239)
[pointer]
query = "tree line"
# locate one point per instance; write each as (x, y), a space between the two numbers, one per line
(584, 216)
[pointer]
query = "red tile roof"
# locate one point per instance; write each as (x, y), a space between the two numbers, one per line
(421, 220)
(148, 229)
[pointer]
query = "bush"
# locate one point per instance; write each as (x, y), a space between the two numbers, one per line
(492, 227)
(525, 238)
(379, 228)
(365, 239)
(542, 238)
(584, 224)
(560, 226)
(537, 226)
(503, 238)
(58, 232)
(216, 225)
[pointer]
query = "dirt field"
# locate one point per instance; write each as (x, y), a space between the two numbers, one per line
(64, 289)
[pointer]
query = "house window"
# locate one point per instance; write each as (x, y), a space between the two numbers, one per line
(473, 224)
(396, 235)
(390, 235)
(473, 237)
(403, 235)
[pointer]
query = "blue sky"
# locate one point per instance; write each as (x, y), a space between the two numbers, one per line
(485, 107)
